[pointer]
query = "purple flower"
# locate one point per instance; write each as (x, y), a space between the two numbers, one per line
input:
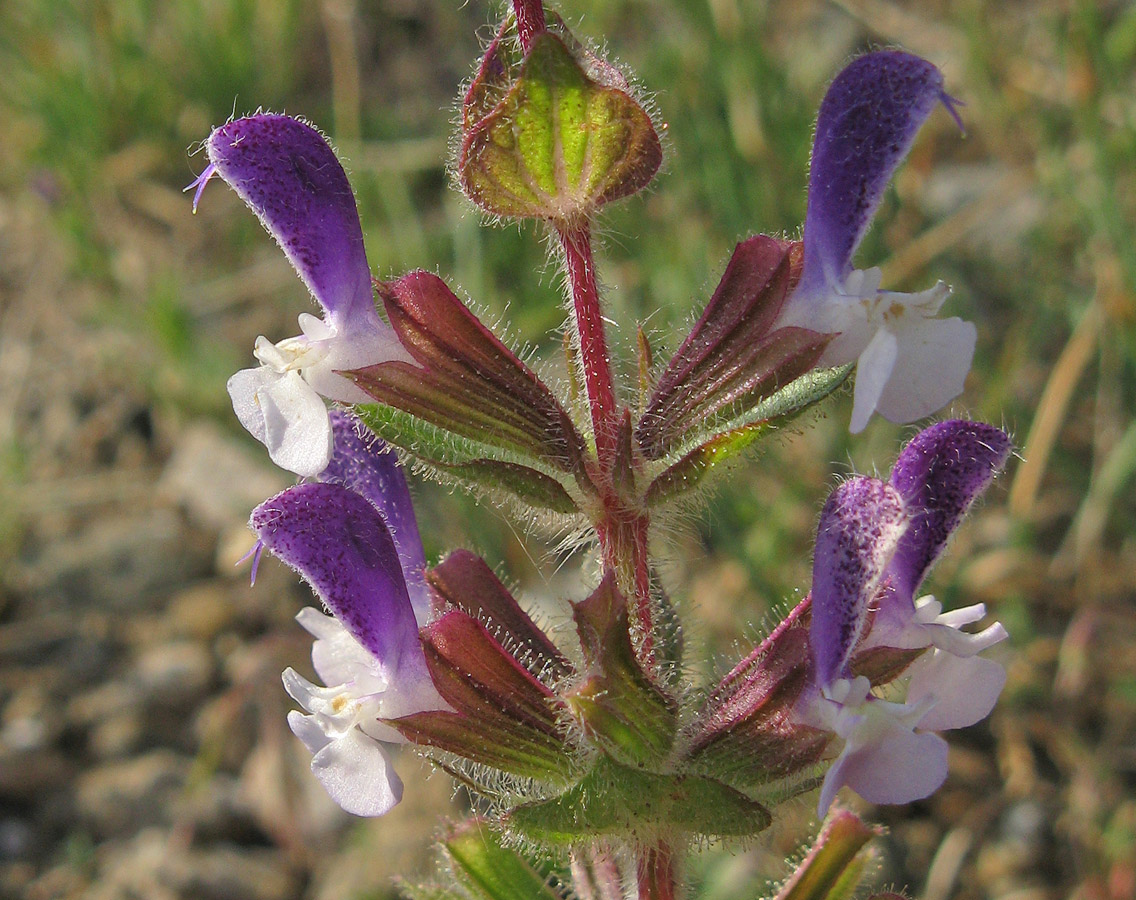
(353, 537)
(288, 175)
(875, 544)
(909, 363)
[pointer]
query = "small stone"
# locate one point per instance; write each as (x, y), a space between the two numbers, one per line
(117, 736)
(134, 868)
(119, 798)
(202, 611)
(16, 838)
(108, 699)
(119, 565)
(178, 673)
(27, 775)
(218, 812)
(226, 872)
(216, 478)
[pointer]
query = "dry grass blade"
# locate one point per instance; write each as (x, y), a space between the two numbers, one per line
(1051, 411)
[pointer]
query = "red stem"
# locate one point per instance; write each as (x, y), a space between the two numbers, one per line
(623, 541)
(577, 244)
(530, 21)
(644, 613)
(623, 533)
(657, 875)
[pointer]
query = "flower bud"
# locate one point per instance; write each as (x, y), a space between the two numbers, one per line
(553, 133)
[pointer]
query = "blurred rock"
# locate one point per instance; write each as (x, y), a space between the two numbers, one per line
(217, 479)
(118, 798)
(156, 866)
(217, 811)
(118, 565)
(26, 775)
(117, 735)
(107, 699)
(202, 611)
(135, 869)
(174, 674)
(16, 838)
(231, 873)
(217, 730)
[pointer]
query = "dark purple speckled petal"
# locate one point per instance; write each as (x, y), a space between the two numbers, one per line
(288, 175)
(365, 464)
(866, 125)
(337, 541)
(859, 528)
(938, 475)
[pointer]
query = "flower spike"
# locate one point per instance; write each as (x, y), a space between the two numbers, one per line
(860, 528)
(286, 173)
(940, 473)
(364, 464)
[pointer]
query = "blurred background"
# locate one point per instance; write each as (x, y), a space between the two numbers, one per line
(143, 747)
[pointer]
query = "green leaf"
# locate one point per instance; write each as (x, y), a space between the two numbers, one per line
(690, 471)
(525, 476)
(618, 704)
(531, 487)
(833, 867)
(628, 803)
(425, 440)
(491, 871)
(721, 442)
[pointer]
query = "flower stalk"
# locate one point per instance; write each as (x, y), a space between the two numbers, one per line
(591, 340)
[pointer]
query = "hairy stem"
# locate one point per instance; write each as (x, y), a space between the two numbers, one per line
(591, 341)
(622, 530)
(657, 876)
(623, 541)
(530, 21)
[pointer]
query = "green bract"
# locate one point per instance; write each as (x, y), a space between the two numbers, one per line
(558, 144)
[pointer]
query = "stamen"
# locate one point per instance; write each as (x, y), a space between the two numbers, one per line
(199, 182)
(255, 553)
(952, 104)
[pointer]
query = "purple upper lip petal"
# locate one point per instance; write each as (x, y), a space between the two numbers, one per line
(288, 175)
(866, 126)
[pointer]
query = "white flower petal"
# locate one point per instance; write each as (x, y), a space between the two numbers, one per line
(319, 625)
(345, 352)
(243, 388)
(357, 774)
(963, 689)
(314, 328)
(901, 767)
(962, 643)
(873, 371)
(307, 729)
(297, 431)
(316, 699)
(930, 367)
(956, 618)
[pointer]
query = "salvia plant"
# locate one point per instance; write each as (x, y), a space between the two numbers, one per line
(593, 762)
